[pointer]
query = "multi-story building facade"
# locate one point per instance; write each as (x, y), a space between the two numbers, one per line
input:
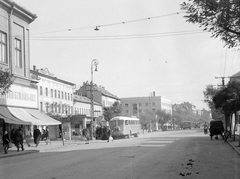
(55, 98)
(143, 104)
(135, 106)
(81, 117)
(19, 105)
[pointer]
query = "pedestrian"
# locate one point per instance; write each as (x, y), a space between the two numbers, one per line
(6, 142)
(109, 136)
(19, 138)
(36, 136)
(28, 137)
(86, 135)
(47, 136)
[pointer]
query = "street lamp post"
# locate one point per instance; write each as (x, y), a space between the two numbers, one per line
(94, 63)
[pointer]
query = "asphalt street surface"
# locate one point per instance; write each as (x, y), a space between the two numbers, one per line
(157, 155)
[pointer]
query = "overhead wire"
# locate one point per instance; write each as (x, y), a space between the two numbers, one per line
(111, 24)
(118, 37)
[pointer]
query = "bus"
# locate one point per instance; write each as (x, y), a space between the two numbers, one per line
(124, 127)
(186, 125)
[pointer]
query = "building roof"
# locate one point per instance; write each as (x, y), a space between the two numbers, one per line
(19, 9)
(50, 76)
(83, 99)
(141, 98)
(236, 74)
(104, 91)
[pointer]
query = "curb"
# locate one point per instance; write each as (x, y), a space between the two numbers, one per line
(19, 153)
(234, 147)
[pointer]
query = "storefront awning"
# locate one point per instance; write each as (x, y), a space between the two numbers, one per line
(20, 113)
(9, 118)
(43, 117)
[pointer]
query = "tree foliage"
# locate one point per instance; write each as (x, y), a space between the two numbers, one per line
(209, 94)
(163, 117)
(110, 112)
(6, 80)
(220, 17)
(146, 118)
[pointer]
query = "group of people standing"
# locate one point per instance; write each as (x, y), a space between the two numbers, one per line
(17, 137)
(102, 132)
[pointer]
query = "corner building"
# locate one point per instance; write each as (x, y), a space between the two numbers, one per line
(19, 107)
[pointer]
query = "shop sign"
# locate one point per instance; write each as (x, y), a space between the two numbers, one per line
(21, 96)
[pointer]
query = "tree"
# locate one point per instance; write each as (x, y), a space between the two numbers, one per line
(163, 117)
(220, 17)
(209, 94)
(112, 111)
(146, 118)
(6, 80)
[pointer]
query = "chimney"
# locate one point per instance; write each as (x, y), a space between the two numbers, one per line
(34, 68)
(153, 93)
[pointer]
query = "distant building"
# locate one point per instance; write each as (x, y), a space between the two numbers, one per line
(100, 94)
(134, 106)
(81, 117)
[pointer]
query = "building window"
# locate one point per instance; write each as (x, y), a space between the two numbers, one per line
(68, 96)
(126, 105)
(55, 108)
(140, 104)
(46, 91)
(58, 94)
(18, 53)
(65, 95)
(40, 90)
(71, 97)
(3, 47)
(47, 108)
(62, 95)
(51, 93)
(127, 111)
(153, 104)
(55, 91)
(41, 106)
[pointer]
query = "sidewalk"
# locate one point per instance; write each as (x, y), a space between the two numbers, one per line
(234, 144)
(42, 147)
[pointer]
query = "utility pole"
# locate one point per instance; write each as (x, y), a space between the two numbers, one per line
(222, 77)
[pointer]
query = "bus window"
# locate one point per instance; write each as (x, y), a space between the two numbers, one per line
(126, 122)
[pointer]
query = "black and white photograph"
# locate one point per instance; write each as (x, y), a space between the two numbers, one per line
(119, 89)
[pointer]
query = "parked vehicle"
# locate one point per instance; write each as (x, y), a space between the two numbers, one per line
(216, 128)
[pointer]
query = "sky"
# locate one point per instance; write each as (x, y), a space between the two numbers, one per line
(141, 46)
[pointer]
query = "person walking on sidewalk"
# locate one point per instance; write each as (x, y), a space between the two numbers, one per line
(86, 135)
(36, 136)
(28, 137)
(47, 136)
(6, 142)
(19, 138)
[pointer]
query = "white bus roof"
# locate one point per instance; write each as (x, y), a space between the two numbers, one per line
(124, 118)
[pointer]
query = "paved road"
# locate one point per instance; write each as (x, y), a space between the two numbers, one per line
(164, 155)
